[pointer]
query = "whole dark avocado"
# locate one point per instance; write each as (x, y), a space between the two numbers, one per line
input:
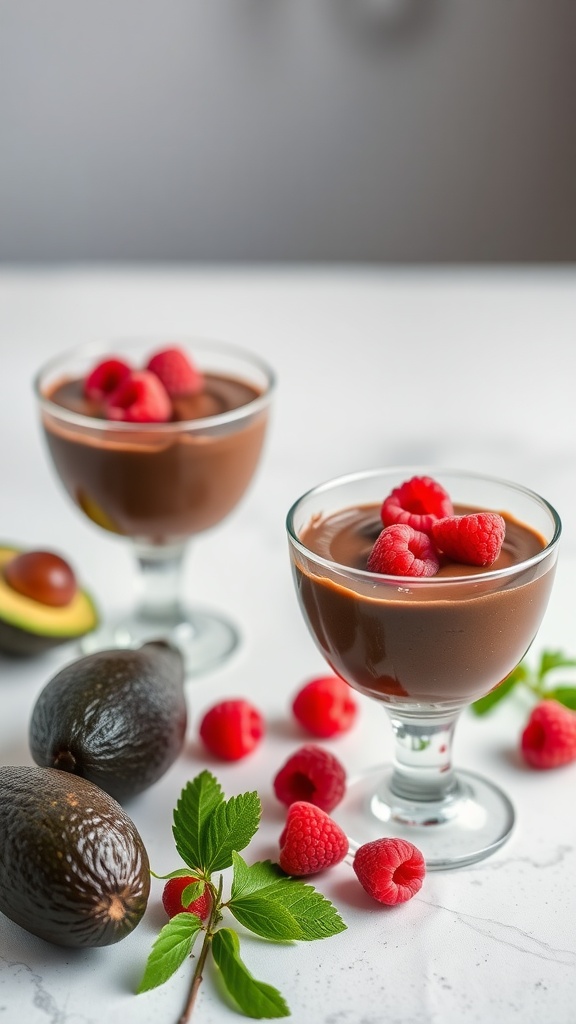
(73, 867)
(117, 718)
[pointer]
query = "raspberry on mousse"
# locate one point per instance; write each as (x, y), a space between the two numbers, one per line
(418, 502)
(421, 530)
(139, 398)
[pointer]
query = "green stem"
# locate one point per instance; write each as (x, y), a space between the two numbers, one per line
(215, 916)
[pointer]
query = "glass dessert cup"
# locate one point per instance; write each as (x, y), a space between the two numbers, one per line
(158, 485)
(424, 648)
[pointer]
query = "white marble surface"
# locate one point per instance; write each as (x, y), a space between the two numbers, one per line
(461, 367)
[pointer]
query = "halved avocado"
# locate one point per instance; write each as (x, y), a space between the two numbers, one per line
(28, 627)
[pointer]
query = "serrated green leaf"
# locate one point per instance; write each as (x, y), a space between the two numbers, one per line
(192, 814)
(247, 879)
(256, 999)
(173, 945)
(485, 704)
(230, 827)
(275, 906)
(192, 892)
(565, 695)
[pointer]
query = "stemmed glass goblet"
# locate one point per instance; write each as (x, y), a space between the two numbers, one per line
(160, 484)
(423, 647)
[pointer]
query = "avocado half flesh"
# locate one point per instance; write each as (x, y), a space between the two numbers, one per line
(28, 627)
(73, 867)
(117, 718)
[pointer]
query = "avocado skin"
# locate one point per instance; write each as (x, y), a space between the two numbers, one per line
(19, 643)
(73, 867)
(117, 718)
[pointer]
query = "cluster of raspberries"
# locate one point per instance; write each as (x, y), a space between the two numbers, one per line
(142, 395)
(311, 783)
(420, 529)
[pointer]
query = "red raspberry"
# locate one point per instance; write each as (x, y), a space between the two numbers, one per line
(402, 551)
(105, 378)
(177, 373)
(419, 502)
(475, 539)
(310, 841)
(172, 898)
(325, 706)
(311, 774)
(549, 739)
(390, 870)
(139, 398)
(232, 729)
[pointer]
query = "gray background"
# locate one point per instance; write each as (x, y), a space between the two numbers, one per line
(228, 130)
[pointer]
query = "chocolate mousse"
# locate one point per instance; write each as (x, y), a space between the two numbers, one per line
(158, 482)
(442, 640)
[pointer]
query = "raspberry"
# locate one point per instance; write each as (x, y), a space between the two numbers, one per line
(177, 373)
(549, 739)
(172, 898)
(390, 870)
(419, 502)
(325, 706)
(139, 398)
(402, 551)
(310, 841)
(105, 378)
(311, 774)
(232, 729)
(474, 539)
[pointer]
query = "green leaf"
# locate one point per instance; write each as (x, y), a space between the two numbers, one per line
(256, 999)
(197, 803)
(192, 892)
(272, 905)
(231, 827)
(173, 945)
(485, 704)
(550, 660)
(565, 695)
(179, 873)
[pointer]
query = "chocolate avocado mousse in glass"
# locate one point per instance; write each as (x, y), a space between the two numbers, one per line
(159, 482)
(423, 646)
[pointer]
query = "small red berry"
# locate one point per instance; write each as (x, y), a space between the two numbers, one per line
(176, 371)
(417, 502)
(311, 774)
(400, 550)
(325, 706)
(139, 398)
(232, 729)
(475, 539)
(105, 378)
(390, 870)
(310, 841)
(549, 738)
(172, 898)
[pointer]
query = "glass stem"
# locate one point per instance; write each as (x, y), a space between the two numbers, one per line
(160, 576)
(422, 770)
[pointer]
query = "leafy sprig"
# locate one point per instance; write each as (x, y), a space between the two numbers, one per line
(209, 831)
(539, 681)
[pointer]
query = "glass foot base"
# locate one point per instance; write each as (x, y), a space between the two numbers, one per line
(472, 823)
(205, 639)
